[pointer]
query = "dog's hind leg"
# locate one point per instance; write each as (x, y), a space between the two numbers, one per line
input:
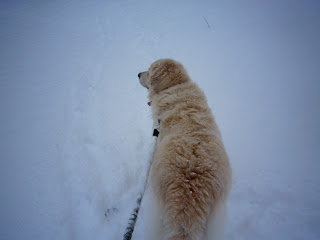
(216, 223)
(154, 217)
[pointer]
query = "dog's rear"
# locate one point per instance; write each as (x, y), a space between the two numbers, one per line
(190, 173)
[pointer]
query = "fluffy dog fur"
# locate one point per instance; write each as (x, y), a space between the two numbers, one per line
(190, 171)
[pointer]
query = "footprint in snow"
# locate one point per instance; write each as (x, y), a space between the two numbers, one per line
(110, 213)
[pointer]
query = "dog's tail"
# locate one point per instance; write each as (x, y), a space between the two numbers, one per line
(188, 207)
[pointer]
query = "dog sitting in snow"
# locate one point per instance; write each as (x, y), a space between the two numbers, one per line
(190, 173)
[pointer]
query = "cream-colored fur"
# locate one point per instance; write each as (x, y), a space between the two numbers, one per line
(190, 172)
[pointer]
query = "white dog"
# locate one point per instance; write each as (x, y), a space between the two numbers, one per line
(190, 173)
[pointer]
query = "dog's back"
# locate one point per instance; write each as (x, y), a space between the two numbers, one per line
(190, 167)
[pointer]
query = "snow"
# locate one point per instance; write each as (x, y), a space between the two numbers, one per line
(76, 130)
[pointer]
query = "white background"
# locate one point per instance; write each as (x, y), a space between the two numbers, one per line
(75, 127)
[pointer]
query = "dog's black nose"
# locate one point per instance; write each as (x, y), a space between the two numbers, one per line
(139, 75)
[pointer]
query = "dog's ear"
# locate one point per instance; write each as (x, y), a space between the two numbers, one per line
(166, 73)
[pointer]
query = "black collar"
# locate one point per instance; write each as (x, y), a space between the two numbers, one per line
(156, 130)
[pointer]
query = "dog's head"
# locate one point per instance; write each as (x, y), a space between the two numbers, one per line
(163, 74)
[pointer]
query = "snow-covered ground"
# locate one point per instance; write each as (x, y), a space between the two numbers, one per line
(75, 128)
